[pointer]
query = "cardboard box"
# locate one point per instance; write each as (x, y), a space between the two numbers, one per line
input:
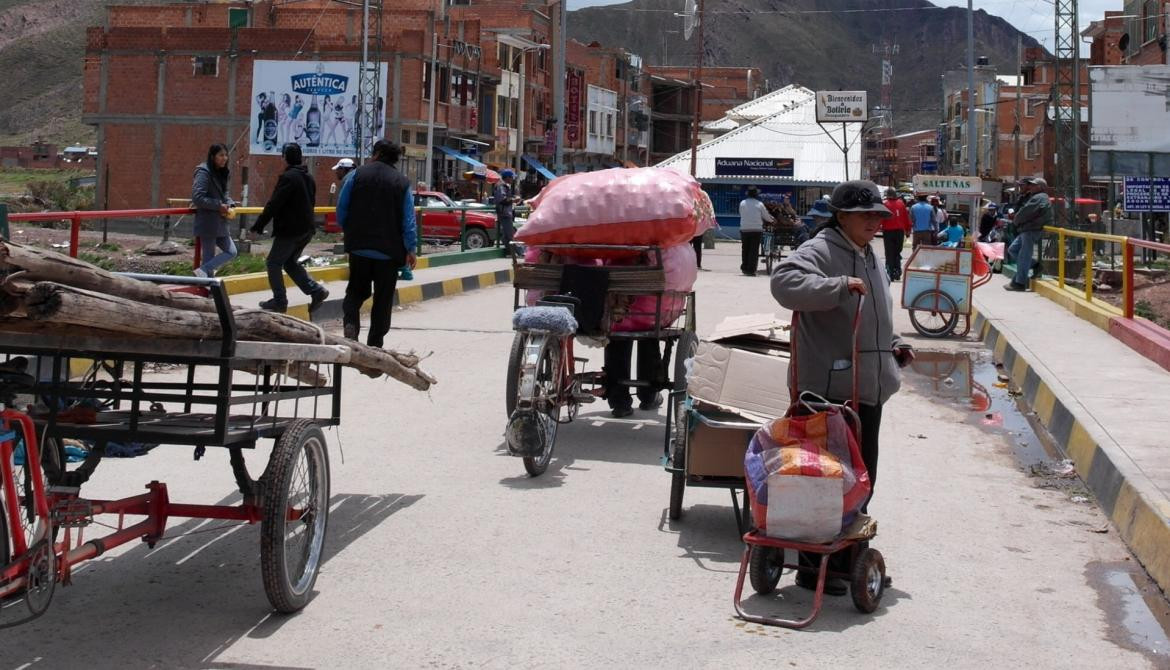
(717, 452)
(743, 367)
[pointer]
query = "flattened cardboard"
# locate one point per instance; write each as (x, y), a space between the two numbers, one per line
(743, 367)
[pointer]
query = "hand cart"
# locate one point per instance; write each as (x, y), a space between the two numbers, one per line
(544, 386)
(937, 285)
(229, 394)
(763, 555)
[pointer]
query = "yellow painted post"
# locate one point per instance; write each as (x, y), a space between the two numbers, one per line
(1088, 268)
(1060, 257)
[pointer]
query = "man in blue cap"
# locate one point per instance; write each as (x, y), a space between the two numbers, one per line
(504, 195)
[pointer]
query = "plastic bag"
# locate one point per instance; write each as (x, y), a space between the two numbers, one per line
(805, 476)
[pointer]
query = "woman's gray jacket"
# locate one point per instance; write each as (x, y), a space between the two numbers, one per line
(208, 192)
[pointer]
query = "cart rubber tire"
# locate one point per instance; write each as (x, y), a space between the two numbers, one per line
(935, 303)
(289, 588)
(512, 383)
(764, 569)
(684, 349)
(868, 580)
(678, 481)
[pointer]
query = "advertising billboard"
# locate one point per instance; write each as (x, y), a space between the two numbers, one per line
(841, 106)
(314, 104)
(1130, 112)
(1140, 195)
(754, 167)
(948, 185)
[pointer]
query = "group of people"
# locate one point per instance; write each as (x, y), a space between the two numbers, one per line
(375, 209)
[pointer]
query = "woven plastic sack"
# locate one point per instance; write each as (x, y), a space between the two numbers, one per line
(632, 206)
(805, 476)
(681, 268)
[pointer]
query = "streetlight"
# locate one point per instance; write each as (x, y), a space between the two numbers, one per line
(520, 129)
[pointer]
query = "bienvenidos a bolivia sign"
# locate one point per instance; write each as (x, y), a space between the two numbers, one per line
(841, 106)
(944, 185)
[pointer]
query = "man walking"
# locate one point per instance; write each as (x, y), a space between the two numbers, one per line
(376, 213)
(1034, 213)
(752, 215)
(504, 195)
(291, 210)
(922, 221)
(894, 232)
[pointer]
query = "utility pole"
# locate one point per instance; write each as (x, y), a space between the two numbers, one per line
(972, 150)
(369, 81)
(1019, 101)
(698, 94)
(1066, 102)
(559, 84)
(434, 79)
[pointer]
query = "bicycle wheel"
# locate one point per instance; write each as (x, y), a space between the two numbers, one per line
(538, 383)
(934, 314)
(51, 467)
(295, 516)
(515, 361)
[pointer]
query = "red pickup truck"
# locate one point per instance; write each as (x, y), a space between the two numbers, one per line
(438, 224)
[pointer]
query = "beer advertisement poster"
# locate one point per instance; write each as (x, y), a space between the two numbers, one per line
(314, 104)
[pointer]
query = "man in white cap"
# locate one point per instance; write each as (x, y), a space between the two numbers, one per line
(342, 170)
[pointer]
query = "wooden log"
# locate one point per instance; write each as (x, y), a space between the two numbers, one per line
(59, 304)
(44, 265)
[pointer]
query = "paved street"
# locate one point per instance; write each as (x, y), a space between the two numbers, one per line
(442, 553)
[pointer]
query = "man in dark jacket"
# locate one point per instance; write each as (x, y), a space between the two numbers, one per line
(376, 211)
(1034, 213)
(291, 210)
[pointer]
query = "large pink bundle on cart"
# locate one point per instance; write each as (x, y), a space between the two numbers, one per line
(805, 476)
(629, 206)
(681, 269)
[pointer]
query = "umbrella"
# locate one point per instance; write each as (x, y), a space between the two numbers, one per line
(487, 174)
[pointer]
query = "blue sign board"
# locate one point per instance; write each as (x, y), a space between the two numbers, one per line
(929, 167)
(754, 167)
(1140, 196)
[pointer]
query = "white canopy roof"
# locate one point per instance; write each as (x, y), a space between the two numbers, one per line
(766, 105)
(790, 133)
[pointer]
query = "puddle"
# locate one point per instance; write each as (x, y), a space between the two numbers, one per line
(970, 381)
(1137, 615)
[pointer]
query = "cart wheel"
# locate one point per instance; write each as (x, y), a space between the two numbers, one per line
(765, 567)
(868, 580)
(51, 468)
(769, 261)
(685, 348)
(545, 385)
(296, 512)
(678, 480)
(934, 314)
(515, 359)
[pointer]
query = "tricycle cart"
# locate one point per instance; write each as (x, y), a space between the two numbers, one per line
(224, 393)
(546, 383)
(937, 285)
(777, 236)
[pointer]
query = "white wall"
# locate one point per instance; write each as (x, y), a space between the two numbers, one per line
(601, 121)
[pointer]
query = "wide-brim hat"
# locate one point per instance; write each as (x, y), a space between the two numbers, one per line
(820, 209)
(859, 195)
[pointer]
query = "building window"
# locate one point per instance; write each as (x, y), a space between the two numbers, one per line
(542, 59)
(456, 88)
(459, 3)
(609, 126)
(206, 66)
(420, 138)
(593, 123)
(1153, 19)
(426, 81)
(1030, 150)
(406, 137)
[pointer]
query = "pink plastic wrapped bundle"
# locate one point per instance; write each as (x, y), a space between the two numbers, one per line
(635, 206)
(682, 270)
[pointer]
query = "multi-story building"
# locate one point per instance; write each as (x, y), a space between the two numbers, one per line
(914, 153)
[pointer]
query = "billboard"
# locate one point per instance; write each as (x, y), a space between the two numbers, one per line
(1142, 196)
(314, 104)
(841, 106)
(574, 83)
(754, 167)
(947, 185)
(1130, 110)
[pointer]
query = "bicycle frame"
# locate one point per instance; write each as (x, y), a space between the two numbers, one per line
(12, 509)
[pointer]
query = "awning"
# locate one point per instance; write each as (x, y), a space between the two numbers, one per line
(459, 156)
(539, 167)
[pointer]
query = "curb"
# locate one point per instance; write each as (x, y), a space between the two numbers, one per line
(258, 281)
(1135, 506)
(330, 310)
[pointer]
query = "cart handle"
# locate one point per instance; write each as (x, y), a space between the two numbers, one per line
(794, 379)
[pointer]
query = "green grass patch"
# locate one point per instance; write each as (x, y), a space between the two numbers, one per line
(99, 260)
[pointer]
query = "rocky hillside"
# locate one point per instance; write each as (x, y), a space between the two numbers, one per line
(799, 41)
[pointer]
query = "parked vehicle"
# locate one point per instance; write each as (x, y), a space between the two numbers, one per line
(438, 222)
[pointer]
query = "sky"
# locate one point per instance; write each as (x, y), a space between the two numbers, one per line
(1033, 17)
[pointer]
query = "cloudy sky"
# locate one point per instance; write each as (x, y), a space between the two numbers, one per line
(1031, 16)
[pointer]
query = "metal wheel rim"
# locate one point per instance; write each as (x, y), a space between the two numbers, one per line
(303, 538)
(775, 564)
(546, 387)
(24, 491)
(873, 580)
(475, 242)
(921, 314)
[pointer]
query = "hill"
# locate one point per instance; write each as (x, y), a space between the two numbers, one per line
(808, 43)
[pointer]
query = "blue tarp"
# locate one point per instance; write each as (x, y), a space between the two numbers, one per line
(539, 167)
(460, 156)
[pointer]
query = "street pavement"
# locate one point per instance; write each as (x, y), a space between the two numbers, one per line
(442, 553)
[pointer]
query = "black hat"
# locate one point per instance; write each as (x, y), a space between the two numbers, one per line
(752, 191)
(858, 195)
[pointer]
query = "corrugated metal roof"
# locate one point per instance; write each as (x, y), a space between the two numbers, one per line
(791, 133)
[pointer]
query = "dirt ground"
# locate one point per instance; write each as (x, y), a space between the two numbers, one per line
(1154, 292)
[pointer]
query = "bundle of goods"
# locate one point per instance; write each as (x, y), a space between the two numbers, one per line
(805, 476)
(649, 207)
(47, 293)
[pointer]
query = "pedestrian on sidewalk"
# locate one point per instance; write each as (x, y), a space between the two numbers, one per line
(752, 217)
(894, 232)
(820, 215)
(823, 280)
(376, 213)
(291, 210)
(504, 195)
(922, 220)
(1034, 213)
(213, 203)
(987, 221)
(940, 213)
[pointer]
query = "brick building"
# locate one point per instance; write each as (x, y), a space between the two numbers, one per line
(914, 153)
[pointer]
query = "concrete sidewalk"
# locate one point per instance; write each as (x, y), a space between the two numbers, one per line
(428, 283)
(1103, 402)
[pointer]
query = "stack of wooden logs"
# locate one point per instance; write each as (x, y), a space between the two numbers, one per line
(44, 292)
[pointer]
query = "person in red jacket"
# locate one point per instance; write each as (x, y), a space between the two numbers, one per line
(894, 232)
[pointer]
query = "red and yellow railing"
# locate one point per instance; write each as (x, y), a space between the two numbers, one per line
(1128, 246)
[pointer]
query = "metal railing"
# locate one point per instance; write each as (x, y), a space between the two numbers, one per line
(1127, 244)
